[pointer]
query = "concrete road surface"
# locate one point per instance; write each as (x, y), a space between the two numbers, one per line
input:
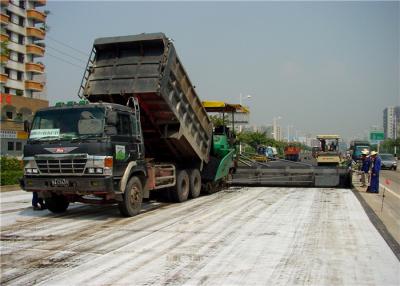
(241, 236)
(386, 204)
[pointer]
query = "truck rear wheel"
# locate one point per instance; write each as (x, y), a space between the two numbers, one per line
(181, 191)
(194, 183)
(57, 203)
(132, 199)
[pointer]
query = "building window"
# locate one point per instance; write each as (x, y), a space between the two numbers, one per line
(20, 75)
(18, 146)
(10, 146)
(21, 21)
(7, 72)
(13, 56)
(22, 4)
(19, 92)
(21, 58)
(20, 39)
(9, 114)
(6, 90)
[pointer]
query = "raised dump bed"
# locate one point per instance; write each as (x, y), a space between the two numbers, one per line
(175, 125)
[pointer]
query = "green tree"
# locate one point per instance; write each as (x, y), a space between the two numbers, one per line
(4, 51)
(218, 121)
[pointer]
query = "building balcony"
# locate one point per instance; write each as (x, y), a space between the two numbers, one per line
(35, 50)
(35, 33)
(4, 38)
(3, 58)
(34, 85)
(4, 19)
(34, 68)
(40, 3)
(4, 3)
(36, 16)
(3, 78)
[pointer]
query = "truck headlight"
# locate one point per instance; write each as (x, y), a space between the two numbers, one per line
(29, 171)
(94, 170)
(30, 166)
(99, 165)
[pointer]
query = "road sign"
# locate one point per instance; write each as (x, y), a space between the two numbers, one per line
(376, 136)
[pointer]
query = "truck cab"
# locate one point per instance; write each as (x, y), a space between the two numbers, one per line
(80, 150)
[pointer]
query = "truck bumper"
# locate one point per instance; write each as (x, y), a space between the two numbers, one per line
(81, 185)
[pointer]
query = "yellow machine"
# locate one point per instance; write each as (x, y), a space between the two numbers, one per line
(329, 153)
(261, 155)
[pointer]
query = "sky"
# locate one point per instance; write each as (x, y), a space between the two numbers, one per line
(322, 67)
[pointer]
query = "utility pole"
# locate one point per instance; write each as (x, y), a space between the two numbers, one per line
(395, 133)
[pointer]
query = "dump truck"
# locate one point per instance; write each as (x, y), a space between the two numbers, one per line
(139, 127)
(292, 153)
(356, 147)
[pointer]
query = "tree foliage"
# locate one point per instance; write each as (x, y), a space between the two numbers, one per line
(387, 146)
(10, 171)
(254, 139)
(218, 121)
(4, 50)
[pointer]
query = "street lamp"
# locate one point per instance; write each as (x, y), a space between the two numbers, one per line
(240, 126)
(240, 98)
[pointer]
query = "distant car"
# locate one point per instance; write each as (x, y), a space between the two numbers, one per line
(388, 162)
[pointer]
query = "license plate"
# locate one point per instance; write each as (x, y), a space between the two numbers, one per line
(60, 183)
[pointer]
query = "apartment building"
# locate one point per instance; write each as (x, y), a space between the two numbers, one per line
(391, 122)
(22, 75)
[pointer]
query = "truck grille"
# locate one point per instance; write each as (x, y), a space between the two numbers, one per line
(62, 166)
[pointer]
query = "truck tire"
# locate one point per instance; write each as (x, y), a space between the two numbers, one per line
(181, 191)
(132, 198)
(194, 183)
(208, 188)
(57, 203)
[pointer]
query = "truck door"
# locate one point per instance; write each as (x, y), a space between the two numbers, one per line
(124, 146)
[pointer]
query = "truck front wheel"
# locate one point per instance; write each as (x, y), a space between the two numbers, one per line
(57, 203)
(132, 200)
(181, 191)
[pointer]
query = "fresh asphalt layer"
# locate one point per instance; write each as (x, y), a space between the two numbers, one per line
(240, 236)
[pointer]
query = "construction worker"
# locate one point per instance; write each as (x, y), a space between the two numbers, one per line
(375, 169)
(37, 203)
(366, 163)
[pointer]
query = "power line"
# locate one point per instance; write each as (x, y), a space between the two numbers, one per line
(65, 54)
(64, 44)
(65, 61)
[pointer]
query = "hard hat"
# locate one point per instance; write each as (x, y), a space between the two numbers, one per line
(365, 152)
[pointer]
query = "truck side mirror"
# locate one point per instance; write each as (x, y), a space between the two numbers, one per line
(27, 126)
(112, 118)
(137, 139)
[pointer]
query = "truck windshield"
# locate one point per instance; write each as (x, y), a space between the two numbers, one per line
(359, 149)
(68, 123)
